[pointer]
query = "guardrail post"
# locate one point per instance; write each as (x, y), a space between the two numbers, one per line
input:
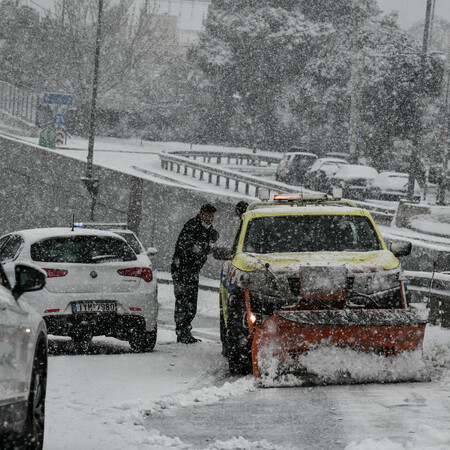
(218, 180)
(185, 169)
(247, 188)
(201, 175)
(171, 166)
(219, 160)
(256, 191)
(193, 172)
(227, 183)
(210, 177)
(178, 168)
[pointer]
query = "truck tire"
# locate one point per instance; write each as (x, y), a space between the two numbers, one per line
(239, 350)
(223, 335)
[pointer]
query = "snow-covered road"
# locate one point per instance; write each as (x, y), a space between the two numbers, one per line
(183, 397)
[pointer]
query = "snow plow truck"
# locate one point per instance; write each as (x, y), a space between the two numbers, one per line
(307, 272)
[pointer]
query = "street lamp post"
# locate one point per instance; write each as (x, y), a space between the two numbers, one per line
(89, 180)
(418, 118)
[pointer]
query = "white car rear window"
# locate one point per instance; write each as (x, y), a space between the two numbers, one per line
(81, 249)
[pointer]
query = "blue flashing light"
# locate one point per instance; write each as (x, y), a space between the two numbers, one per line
(78, 224)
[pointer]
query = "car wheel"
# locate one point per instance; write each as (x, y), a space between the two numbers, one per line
(33, 432)
(239, 351)
(81, 342)
(144, 342)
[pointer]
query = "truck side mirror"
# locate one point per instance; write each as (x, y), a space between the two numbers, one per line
(401, 248)
(222, 253)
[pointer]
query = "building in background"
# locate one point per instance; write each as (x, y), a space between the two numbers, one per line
(190, 15)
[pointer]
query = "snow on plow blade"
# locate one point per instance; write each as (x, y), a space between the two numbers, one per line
(289, 340)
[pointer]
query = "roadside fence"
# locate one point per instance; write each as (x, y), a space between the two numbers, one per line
(18, 102)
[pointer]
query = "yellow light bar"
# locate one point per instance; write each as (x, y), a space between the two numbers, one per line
(300, 197)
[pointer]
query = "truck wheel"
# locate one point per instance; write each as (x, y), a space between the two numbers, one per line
(223, 335)
(239, 350)
(144, 342)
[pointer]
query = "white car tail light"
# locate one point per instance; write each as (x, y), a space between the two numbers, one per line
(52, 273)
(140, 272)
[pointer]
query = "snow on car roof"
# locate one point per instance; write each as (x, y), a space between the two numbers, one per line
(36, 234)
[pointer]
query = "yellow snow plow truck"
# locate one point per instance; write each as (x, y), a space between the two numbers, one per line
(308, 272)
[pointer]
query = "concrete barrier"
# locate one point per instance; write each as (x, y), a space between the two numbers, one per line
(42, 188)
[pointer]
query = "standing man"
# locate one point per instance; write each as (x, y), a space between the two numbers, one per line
(191, 251)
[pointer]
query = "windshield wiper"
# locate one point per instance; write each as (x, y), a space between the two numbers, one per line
(100, 257)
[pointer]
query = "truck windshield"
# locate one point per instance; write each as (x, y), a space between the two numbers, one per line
(311, 233)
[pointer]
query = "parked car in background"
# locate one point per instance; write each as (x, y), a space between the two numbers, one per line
(317, 177)
(96, 285)
(23, 360)
(391, 186)
(354, 180)
(133, 241)
(340, 155)
(293, 166)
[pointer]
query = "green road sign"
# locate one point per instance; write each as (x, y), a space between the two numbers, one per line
(47, 137)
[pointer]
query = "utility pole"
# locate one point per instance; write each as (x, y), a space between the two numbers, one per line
(89, 180)
(445, 109)
(354, 90)
(418, 138)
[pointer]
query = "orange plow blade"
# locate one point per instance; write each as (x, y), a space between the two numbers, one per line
(285, 340)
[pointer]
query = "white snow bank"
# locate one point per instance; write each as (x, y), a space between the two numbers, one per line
(206, 395)
(425, 438)
(241, 443)
(332, 365)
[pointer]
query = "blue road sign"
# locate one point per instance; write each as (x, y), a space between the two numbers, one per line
(60, 120)
(58, 99)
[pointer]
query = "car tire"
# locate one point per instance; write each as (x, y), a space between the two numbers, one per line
(144, 342)
(239, 351)
(81, 342)
(32, 437)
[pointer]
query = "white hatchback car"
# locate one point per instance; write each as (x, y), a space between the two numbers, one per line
(96, 285)
(23, 361)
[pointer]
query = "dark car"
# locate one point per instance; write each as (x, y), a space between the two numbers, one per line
(354, 179)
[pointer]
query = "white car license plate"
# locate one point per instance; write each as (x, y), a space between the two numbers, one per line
(94, 307)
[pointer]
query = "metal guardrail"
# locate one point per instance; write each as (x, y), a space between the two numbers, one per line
(180, 161)
(433, 289)
(171, 161)
(238, 158)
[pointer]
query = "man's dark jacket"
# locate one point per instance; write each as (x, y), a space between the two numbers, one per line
(192, 248)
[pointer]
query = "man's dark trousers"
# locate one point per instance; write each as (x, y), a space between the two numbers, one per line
(186, 294)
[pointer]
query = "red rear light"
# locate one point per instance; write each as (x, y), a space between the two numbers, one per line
(51, 311)
(285, 164)
(322, 172)
(52, 273)
(141, 272)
